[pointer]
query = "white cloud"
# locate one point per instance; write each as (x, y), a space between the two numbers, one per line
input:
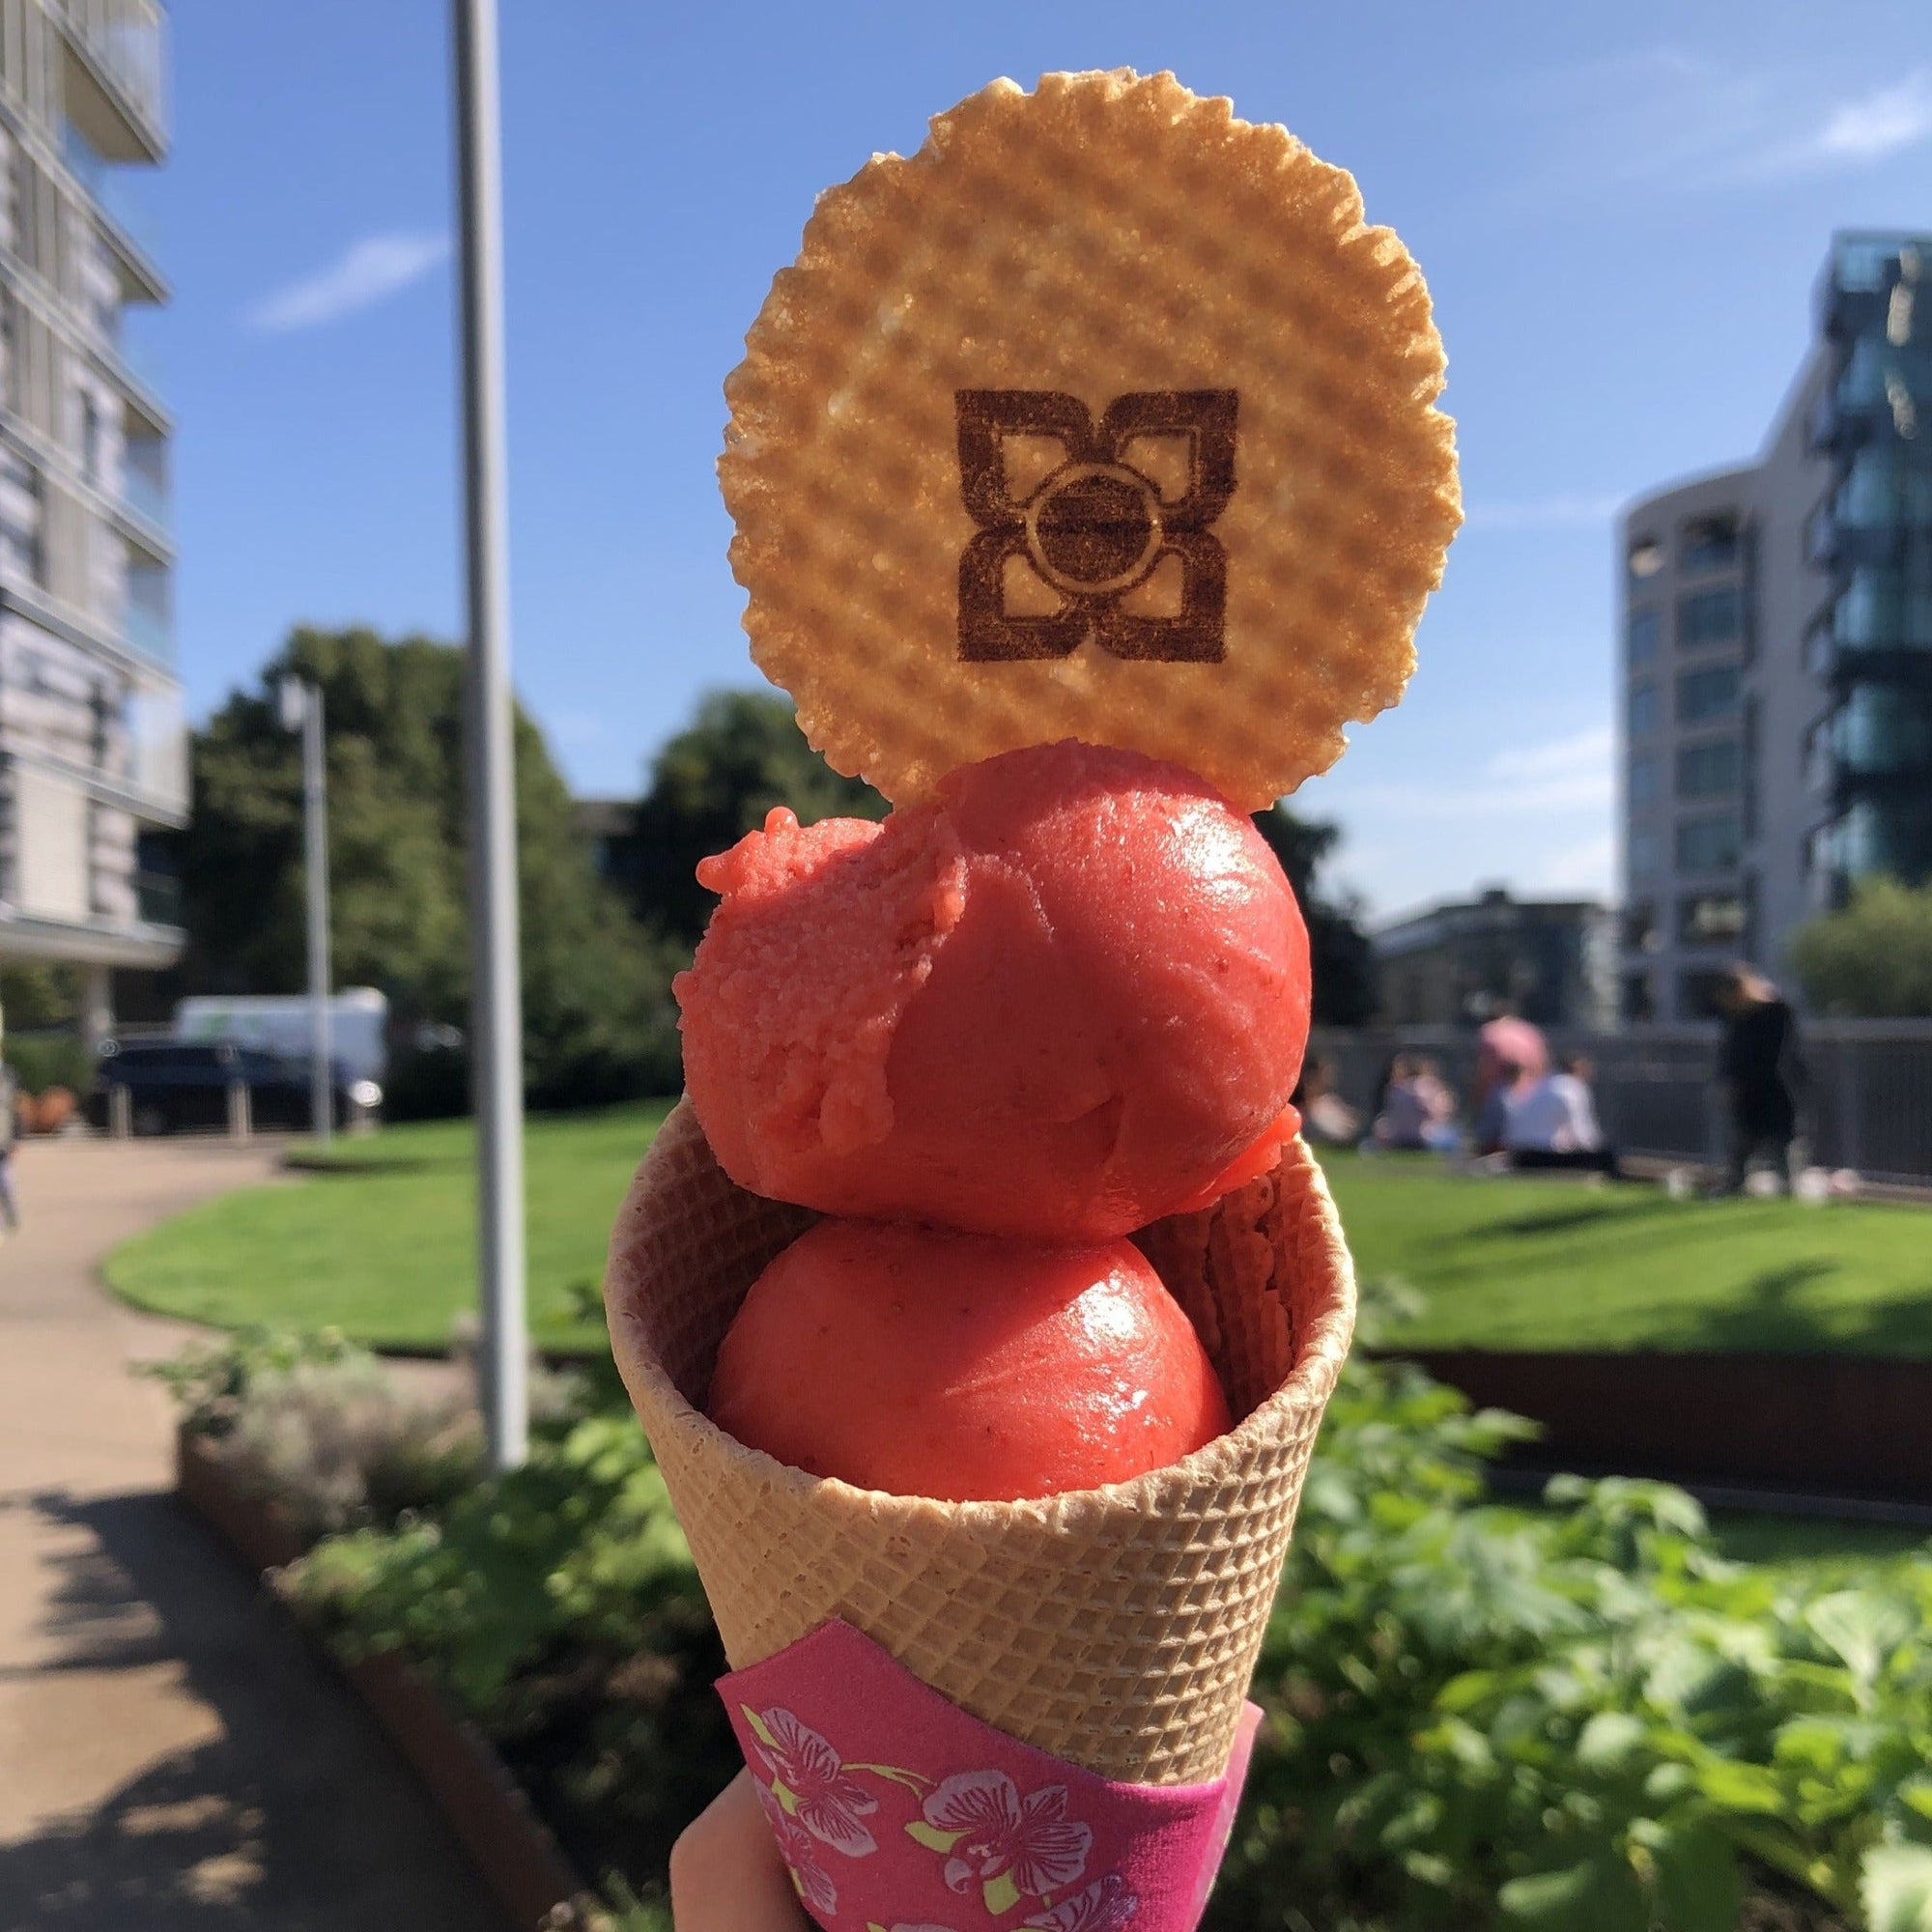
(366, 272)
(1563, 512)
(1516, 781)
(1871, 128)
(1664, 116)
(1587, 867)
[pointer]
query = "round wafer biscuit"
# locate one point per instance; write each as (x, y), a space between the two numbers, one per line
(1103, 417)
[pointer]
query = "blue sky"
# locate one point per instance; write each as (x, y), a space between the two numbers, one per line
(1620, 213)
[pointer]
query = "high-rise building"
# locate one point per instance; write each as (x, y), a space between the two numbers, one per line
(1775, 672)
(93, 753)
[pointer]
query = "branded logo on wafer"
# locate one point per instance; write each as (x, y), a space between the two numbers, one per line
(1133, 567)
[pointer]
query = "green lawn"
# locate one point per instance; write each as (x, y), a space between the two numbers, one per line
(381, 1245)
(1552, 1264)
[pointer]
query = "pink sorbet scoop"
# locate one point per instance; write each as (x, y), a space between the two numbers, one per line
(1068, 996)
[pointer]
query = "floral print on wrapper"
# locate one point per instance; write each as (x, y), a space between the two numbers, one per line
(897, 1812)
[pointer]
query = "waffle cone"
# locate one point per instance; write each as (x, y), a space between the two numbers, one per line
(1116, 1627)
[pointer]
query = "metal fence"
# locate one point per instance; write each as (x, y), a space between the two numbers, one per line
(1867, 1103)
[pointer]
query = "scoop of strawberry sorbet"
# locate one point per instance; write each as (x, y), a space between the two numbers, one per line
(1066, 997)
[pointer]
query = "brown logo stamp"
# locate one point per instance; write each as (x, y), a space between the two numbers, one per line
(1094, 538)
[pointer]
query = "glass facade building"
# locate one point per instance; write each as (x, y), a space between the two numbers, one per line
(1873, 544)
(1775, 682)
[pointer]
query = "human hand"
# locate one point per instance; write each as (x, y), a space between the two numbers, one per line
(725, 1872)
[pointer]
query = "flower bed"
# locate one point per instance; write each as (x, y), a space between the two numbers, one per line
(1579, 1717)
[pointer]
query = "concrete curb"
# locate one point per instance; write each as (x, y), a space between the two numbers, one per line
(491, 1815)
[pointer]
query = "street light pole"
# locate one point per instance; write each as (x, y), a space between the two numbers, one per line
(495, 1022)
(302, 710)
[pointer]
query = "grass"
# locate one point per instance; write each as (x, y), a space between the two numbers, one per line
(380, 1244)
(1553, 1264)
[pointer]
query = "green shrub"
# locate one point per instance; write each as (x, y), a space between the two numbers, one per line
(40, 1060)
(1578, 1717)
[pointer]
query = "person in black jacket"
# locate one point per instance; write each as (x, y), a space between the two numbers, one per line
(1761, 1067)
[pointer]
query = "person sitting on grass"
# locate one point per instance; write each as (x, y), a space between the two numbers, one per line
(1326, 1119)
(1418, 1112)
(1551, 1123)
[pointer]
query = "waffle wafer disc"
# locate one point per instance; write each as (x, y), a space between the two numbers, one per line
(1103, 417)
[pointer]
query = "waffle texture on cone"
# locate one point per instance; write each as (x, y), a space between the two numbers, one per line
(1116, 1627)
(1103, 417)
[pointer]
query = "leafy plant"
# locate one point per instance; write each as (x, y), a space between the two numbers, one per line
(1578, 1718)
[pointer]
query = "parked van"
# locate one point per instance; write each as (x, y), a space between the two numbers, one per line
(358, 1028)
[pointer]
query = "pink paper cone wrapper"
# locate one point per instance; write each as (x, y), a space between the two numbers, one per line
(896, 1811)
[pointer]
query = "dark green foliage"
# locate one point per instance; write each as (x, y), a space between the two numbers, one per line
(1871, 959)
(598, 1023)
(1338, 949)
(714, 783)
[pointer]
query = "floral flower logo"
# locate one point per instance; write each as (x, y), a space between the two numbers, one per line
(1017, 1847)
(800, 1851)
(1105, 1906)
(1098, 536)
(811, 1783)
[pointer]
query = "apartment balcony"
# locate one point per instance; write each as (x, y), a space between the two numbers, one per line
(92, 941)
(145, 498)
(114, 74)
(127, 215)
(148, 635)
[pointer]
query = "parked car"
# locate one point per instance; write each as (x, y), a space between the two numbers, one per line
(174, 1086)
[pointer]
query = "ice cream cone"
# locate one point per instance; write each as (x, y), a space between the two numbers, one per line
(1115, 1627)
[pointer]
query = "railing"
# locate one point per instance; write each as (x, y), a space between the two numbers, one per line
(157, 898)
(146, 496)
(147, 634)
(1868, 1101)
(120, 193)
(123, 38)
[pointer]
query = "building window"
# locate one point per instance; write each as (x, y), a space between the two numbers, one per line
(1711, 844)
(1640, 929)
(1709, 617)
(20, 516)
(1708, 543)
(1642, 709)
(1639, 1003)
(1818, 757)
(1882, 730)
(1710, 770)
(1705, 695)
(1646, 854)
(90, 441)
(1711, 918)
(1646, 557)
(1640, 633)
(1643, 779)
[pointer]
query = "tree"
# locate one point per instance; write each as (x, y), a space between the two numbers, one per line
(598, 1021)
(1339, 956)
(714, 783)
(1873, 959)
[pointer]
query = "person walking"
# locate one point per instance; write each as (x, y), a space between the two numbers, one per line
(1761, 1071)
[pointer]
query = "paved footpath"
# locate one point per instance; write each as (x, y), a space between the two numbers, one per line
(172, 1757)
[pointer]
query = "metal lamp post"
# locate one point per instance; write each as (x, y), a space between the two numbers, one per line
(300, 707)
(497, 1021)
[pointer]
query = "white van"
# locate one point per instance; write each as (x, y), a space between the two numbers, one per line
(277, 1023)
